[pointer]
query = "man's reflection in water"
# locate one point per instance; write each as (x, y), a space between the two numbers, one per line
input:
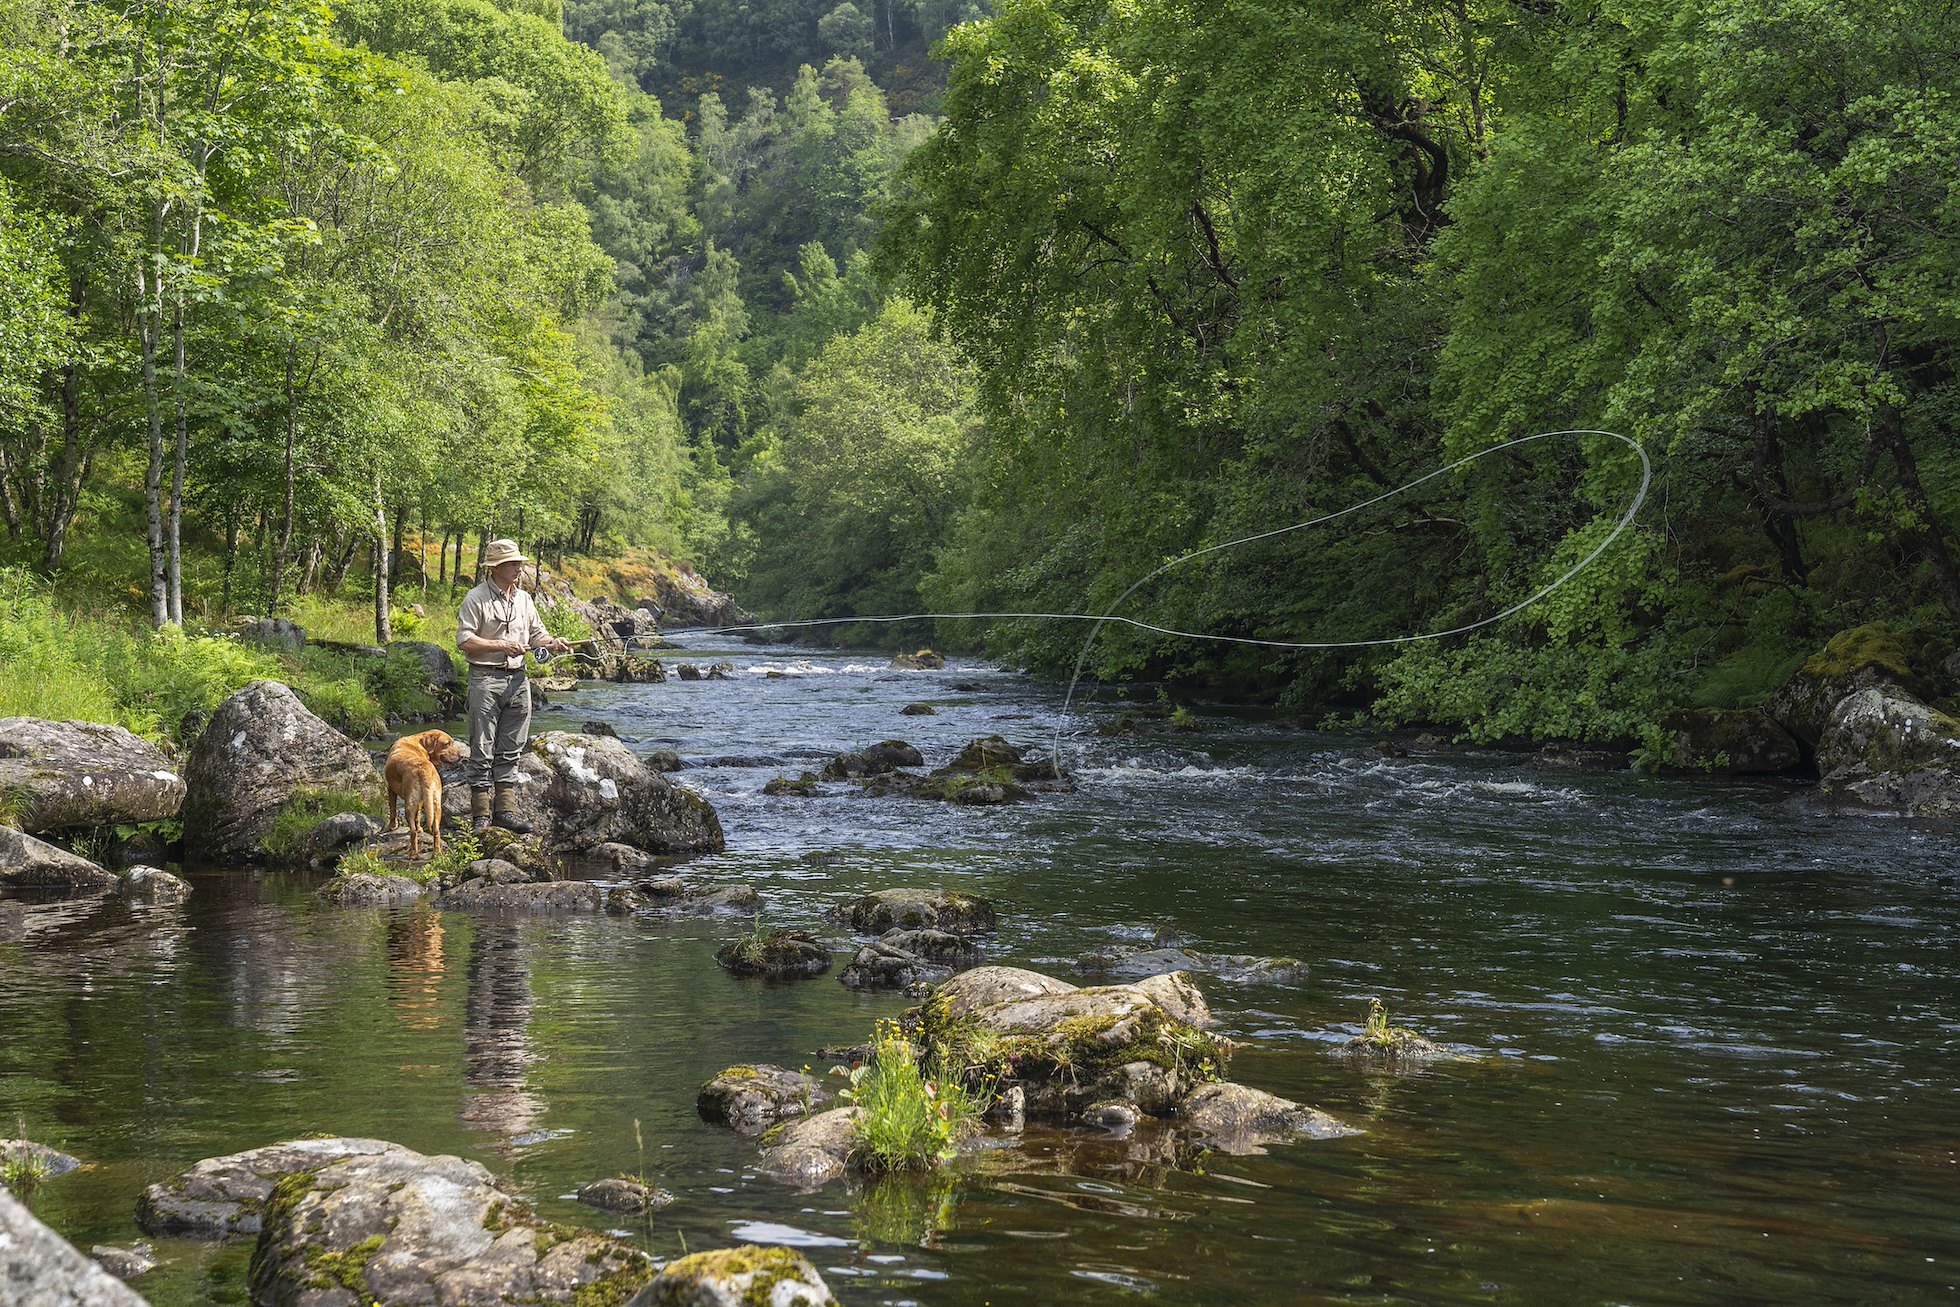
(495, 1049)
(415, 967)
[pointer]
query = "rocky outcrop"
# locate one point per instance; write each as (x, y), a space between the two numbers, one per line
(38, 1268)
(1238, 1119)
(812, 1152)
(1239, 968)
(737, 1277)
(260, 749)
(1864, 657)
(986, 772)
(900, 959)
(395, 1226)
(683, 598)
(1885, 751)
(28, 863)
(751, 1098)
(778, 955)
(581, 791)
(912, 909)
(1567, 756)
(1728, 742)
(66, 775)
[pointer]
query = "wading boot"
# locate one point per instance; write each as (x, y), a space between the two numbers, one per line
(505, 810)
(479, 810)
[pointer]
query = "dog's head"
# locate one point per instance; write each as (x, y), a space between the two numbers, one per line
(441, 748)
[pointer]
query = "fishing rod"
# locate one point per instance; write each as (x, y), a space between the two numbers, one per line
(1108, 615)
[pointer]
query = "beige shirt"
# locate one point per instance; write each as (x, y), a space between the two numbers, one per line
(490, 614)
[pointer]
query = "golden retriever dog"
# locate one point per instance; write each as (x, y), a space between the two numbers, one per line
(414, 783)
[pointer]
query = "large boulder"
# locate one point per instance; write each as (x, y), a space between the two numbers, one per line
(751, 1098)
(1861, 658)
(398, 1227)
(1728, 742)
(437, 665)
(38, 1268)
(1885, 750)
(737, 1277)
(273, 633)
(581, 791)
(261, 748)
(61, 775)
(28, 863)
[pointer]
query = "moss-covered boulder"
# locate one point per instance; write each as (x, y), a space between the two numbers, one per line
(64, 775)
(1071, 1048)
(1728, 742)
(738, 1277)
(967, 993)
(1863, 657)
(752, 1097)
(900, 959)
(366, 890)
(398, 1227)
(673, 896)
(222, 1197)
(777, 955)
(905, 908)
(804, 785)
(620, 1193)
(920, 660)
(1886, 751)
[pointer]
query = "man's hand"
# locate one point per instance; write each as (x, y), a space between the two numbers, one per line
(558, 644)
(515, 648)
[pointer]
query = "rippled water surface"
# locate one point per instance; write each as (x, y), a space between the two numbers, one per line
(1709, 1040)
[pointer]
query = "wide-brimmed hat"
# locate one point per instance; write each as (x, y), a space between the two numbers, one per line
(501, 552)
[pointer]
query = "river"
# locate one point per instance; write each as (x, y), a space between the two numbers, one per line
(1708, 1039)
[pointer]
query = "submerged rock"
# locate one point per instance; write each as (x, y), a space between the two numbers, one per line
(67, 775)
(1238, 968)
(581, 791)
(751, 1098)
(812, 1152)
(922, 660)
(1392, 1048)
(153, 885)
(675, 897)
(779, 955)
(1728, 742)
(261, 748)
(28, 863)
(1886, 751)
(398, 1227)
(1238, 1119)
(38, 1268)
(624, 1194)
(124, 1263)
(801, 786)
(737, 1277)
(912, 909)
(1565, 756)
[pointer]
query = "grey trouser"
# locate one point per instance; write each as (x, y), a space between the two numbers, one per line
(500, 725)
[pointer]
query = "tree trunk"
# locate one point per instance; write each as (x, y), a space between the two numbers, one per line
(175, 547)
(231, 561)
(382, 557)
(147, 326)
(342, 560)
(1780, 527)
(1890, 436)
(482, 548)
(312, 569)
(422, 549)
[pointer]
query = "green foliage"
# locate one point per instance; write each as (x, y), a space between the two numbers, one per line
(335, 688)
(907, 1120)
(365, 861)
(307, 808)
(458, 852)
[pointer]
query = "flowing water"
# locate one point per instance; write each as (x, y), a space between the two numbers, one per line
(1708, 1039)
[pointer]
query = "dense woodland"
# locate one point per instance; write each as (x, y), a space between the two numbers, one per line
(922, 305)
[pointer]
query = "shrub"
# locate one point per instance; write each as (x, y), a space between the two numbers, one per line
(907, 1120)
(307, 809)
(169, 677)
(46, 674)
(363, 861)
(399, 684)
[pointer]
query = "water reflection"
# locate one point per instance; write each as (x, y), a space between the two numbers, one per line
(496, 1036)
(415, 968)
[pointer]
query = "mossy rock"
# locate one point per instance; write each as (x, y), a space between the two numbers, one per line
(1728, 742)
(747, 1276)
(802, 786)
(1860, 658)
(953, 911)
(779, 955)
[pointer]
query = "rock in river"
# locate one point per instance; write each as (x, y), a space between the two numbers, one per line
(751, 1098)
(1238, 1119)
(398, 1227)
(28, 863)
(910, 909)
(778, 955)
(261, 748)
(65, 775)
(1886, 751)
(737, 1277)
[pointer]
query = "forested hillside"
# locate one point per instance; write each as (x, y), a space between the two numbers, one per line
(916, 305)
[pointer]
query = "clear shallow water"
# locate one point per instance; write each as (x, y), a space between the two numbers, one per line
(1712, 1041)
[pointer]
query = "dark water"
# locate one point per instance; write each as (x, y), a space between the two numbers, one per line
(1711, 1043)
